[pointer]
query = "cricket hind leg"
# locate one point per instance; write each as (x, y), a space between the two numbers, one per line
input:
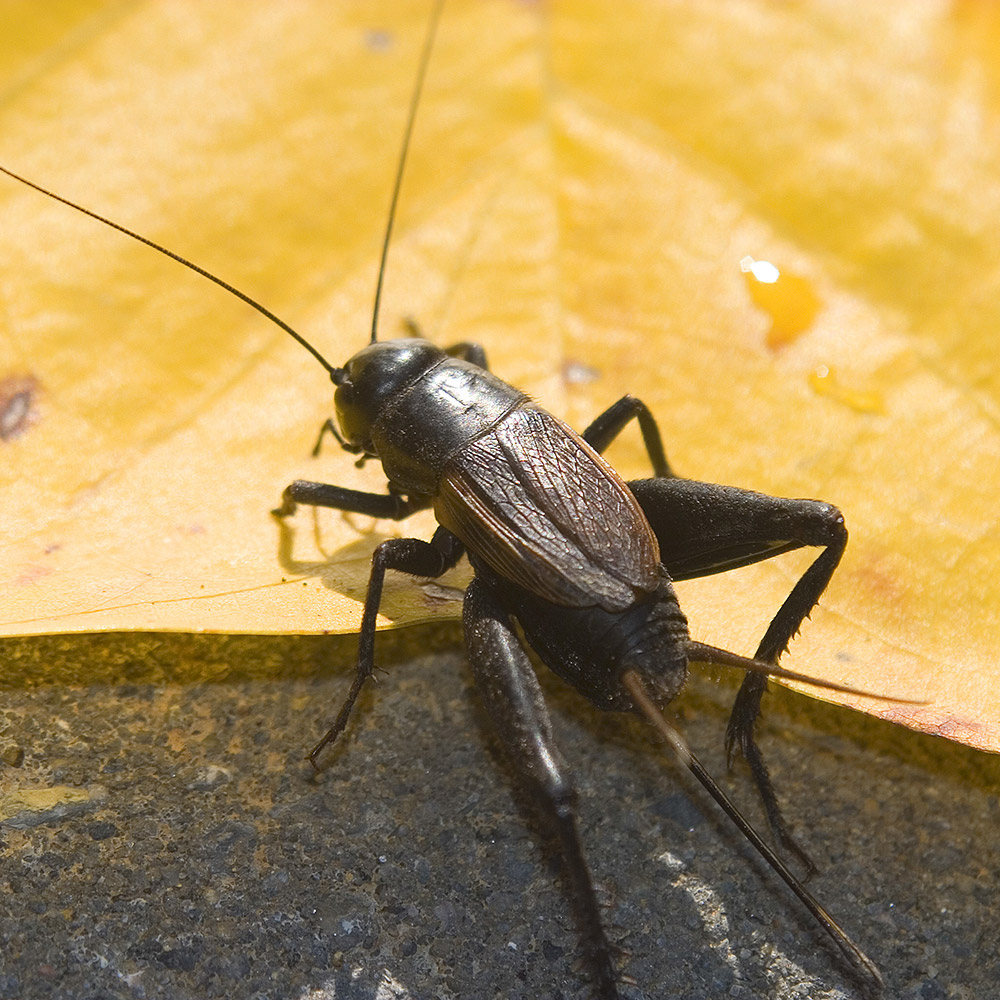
(514, 702)
(703, 529)
(740, 732)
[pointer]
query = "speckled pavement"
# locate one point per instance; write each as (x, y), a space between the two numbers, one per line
(163, 837)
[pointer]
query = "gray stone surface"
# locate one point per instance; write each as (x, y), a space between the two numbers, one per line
(188, 850)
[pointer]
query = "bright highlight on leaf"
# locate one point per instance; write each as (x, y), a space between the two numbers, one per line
(762, 270)
(584, 183)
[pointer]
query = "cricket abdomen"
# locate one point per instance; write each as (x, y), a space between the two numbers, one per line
(591, 648)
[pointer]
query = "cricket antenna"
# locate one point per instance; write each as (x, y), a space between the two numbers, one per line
(253, 303)
(425, 58)
(337, 375)
(862, 964)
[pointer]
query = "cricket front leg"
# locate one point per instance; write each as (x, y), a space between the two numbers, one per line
(393, 506)
(408, 555)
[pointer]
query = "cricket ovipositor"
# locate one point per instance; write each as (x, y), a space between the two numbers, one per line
(544, 596)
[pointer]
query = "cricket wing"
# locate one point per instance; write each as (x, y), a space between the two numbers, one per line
(543, 509)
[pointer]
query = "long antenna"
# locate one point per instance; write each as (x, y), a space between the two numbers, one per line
(425, 58)
(253, 303)
(336, 374)
(862, 964)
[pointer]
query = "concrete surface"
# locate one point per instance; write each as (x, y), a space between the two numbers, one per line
(163, 837)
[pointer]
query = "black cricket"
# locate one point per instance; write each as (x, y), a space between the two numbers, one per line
(562, 546)
(582, 560)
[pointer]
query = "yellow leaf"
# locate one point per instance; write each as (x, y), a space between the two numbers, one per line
(584, 183)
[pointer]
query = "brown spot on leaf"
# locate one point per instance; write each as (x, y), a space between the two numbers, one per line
(379, 39)
(18, 405)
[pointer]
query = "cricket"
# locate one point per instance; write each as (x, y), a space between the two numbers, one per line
(570, 561)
